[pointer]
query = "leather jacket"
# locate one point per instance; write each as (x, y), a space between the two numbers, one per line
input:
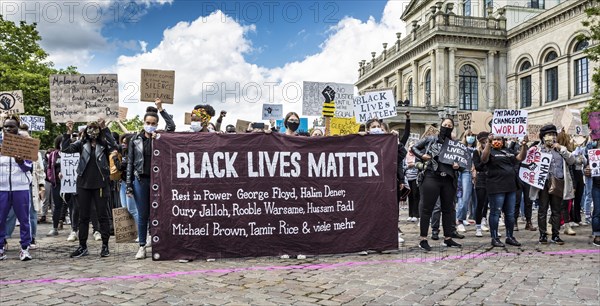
(84, 148)
(135, 154)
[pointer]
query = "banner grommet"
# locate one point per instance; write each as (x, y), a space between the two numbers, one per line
(155, 239)
(154, 222)
(156, 169)
(154, 204)
(156, 152)
(155, 187)
(156, 256)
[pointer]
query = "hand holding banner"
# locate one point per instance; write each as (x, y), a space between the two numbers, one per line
(455, 152)
(510, 123)
(535, 168)
(594, 162)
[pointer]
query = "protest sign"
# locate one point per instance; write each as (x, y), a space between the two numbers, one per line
(535, 168)
(594, 161)
(430, 131)
(572, 121)
(68, 166)
(464, 123)
(123, 113)
(313, 99)
(187, 120)
(157, 84)
(11, 102)
(84, 97)
(510, 123)
(219, 196)
(17, 145)
(302, 128)
(594, 122)
(455, 152)
(413, 138)
(125, 227)
(481, 122)
(343, 126)
(241, 126)
(35, 123)
(272, 111)
(533, 131)
(375, 104)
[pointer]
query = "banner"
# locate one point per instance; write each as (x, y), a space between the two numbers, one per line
(17, 145)
(343, 126)
(35, 123)
(83, 97)
(158, 84)
(594, 161)
(594, 122)
(125, 226)
(313, 99)
(224, 195)
(455, 152)
(11, 102)
(68, 168)
(535, 168)
(272, 111)
(510, 123)
(375, 104)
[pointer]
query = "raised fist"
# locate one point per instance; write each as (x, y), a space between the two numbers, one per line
(329, 94)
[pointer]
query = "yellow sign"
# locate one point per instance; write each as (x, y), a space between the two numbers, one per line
(343, 126)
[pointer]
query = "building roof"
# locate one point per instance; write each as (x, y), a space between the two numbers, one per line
(412, 8)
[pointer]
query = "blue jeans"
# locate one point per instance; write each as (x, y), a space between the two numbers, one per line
(596, 212)
(464, 202)
(128, 202)
(11, 221)
(587, 196)
(141, 194)
(500, 202)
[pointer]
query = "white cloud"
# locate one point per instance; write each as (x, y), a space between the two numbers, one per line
(143, 45)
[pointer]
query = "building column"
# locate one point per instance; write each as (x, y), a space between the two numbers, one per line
(502, 82)
(434, 80)
(452, 77)
(491, 103)
(415, 80)
(441, 94)
(399, 85)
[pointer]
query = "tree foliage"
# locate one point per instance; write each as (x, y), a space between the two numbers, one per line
(593, 52)
(133, 125)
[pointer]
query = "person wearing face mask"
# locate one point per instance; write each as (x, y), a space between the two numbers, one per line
(465, 179)
(558, 187)
(126, 202)
(438, 180)
(201, 116)
(138, 168)
(587, 193)
(93, 177)
(578, 179)
(291, 123)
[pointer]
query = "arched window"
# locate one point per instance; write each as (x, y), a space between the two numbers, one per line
(581, 45)
(551, 78)
(410, 91)
(468, 88)
(428, 87)
(550, 57)
(581, 70)
(525, 66)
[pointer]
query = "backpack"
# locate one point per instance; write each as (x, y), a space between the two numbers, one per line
(115, 160)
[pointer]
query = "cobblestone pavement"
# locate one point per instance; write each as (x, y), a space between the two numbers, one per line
(476, 274)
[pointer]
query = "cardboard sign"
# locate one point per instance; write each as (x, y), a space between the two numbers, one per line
(35, 123)
(157, 84)
(343, 126)
(125, 227)
(533, 131)
(84, 97)
(313, 99)
(17, 145)
(481, 122)
(376, 104)
(455, 152)
(535, 168)
(123, 113)
(68, 168)
(272, 111)
(510, 123)
(572, 121)
(303, 128)
(430, 131)
(464, 123)
(594, 122)
(413, 138)
(11, 102)
(241, 126)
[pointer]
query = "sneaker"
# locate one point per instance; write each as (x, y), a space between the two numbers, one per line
(284, 256)
(466, 223)
(435, 235)
(484, 222)
(3, 255)
(409, 219)
(141, 253)
(24, 255)
(457, 235)
(300, 256)
(451, 244)
(596, 243)
(68, 221)
(363, 253)
(415, 219)
(72, 237)
(400, 241)
(104, 252)
(497, 243)
(32, 245)
(530, 227)
(424, 245)
(478, 233)
(557, 240)
(569, 230)
(81, 251)
(53, 232)
(512, 241)
(461, 228)
(97, 236)
(574, 224)
(484, 227)
(148, 241)
(543, 239)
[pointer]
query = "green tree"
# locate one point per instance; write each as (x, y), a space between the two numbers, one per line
(133, 125)
(593, 52)
(24, 66)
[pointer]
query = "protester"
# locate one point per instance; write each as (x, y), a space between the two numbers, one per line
(15, 192)
(139, 162)
(230, 129)
(316, 132)
(291, 123)
(480, 184)
(201, 116)
(578, 179)
(54, 175)
(465, 181)
(596, 211)
(587, 202)
(126, 202)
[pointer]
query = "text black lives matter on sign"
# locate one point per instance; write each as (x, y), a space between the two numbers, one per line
(216, 196)
(455, 152)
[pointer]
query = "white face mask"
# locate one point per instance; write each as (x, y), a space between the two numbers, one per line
(196, 126)
(376, 131)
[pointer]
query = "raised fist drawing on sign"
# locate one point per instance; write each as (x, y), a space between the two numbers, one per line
(329, 105)
(7, 101)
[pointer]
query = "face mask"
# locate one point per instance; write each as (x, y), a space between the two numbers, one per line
(93, 133)
(149, 129)
(446, 132)
(376, 131)
(594, 143)
(470, 139)
(549, 140)
(293, 126)
(196, 126)
(497, 144)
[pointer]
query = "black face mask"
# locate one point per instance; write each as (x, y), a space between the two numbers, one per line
(445, 132)
(293, 126)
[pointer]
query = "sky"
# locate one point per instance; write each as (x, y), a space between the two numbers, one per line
(234, 55)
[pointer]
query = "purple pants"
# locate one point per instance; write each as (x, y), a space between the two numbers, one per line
(19, 201)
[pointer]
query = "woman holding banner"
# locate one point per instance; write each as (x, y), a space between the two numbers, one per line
(437, 180)
(502, 185)
(139, 164)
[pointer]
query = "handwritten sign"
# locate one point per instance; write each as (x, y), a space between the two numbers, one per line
(535, 168)
(430, 131)
(455, 152)
(464, 122)
(376, 104)
(11, 102)
(272, 111)
(17, 145)
(572, 121)
(510, 122)
(594, 161)
(313, 99)
(481, 122)
(343, 126)
(68, 168)
(84, 97)
(157, 84)
(533, 131)
(125, 227)
(35, 123)
(123, 113)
